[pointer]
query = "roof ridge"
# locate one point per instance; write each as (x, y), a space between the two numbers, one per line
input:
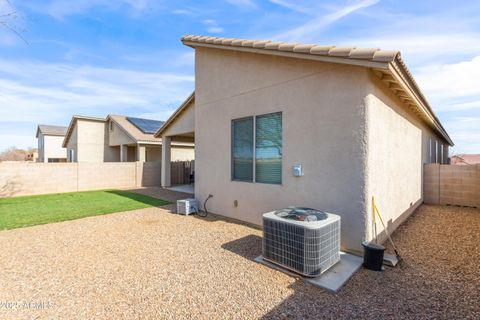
(371, 54)
(374, 58)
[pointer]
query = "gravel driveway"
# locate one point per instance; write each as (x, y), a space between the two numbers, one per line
(151, 264)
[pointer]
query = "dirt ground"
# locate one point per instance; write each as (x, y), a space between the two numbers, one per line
(152, 264)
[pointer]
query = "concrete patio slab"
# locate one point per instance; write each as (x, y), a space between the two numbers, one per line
(185, 188)
(333, 279)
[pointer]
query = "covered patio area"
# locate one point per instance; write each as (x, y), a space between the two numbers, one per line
(179, 128)
(185, 188)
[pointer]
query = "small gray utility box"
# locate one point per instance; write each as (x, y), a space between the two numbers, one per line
(187, 206)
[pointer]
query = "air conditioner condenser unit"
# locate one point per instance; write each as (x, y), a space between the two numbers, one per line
(303, 240)
(187, 206)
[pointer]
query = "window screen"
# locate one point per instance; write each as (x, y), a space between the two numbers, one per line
(268, 148)
(242, 149)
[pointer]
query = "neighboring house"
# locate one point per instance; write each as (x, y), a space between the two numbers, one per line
(118, 139)
(354, 120)
(50, 140)
(465, 159)
(32, 155)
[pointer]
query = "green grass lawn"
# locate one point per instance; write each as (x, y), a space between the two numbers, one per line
(32, 210)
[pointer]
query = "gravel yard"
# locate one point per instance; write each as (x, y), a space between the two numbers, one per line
(152, 264)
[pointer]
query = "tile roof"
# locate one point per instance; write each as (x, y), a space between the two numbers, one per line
(387, 64)
(134, 132)
(129, 128)
(465, 159)
(51, 130)
(372, 54)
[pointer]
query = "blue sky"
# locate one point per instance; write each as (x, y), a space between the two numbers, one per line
(96, 57)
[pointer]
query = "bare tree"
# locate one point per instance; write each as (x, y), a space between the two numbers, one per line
(13, 154)
(11, 19)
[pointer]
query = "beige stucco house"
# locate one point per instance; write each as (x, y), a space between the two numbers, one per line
(354, 120)
(50, 140)
(118, 138)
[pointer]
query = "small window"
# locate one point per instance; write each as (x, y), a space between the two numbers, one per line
(268, 148)
(430, 155)
(110, 125)
(242, 149)
(71, 155)
(264, 144)
(441, 154)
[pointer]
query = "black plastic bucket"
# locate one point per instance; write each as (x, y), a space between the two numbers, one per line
(373, 256)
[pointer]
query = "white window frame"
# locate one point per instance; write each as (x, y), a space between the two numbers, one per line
(254, 175)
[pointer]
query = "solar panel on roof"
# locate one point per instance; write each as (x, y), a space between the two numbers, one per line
(146, 125)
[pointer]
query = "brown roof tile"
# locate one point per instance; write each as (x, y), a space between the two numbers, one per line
(373, 57)
(132, 130)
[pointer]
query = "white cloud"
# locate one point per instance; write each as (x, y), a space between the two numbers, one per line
(454, 94)
(243, 3)
(451, 87)
(60, 9)
(297, 6)
(212, 26)
(215, 29)
(419, 48)
(34, 92)
(310, 29)
(465, 132)
(17, 140)
(182, 12)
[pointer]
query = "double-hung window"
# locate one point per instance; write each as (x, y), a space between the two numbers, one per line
(257, 149)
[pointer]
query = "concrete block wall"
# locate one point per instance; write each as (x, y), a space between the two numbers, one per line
(452, 185)
(149, 174)
(26, 178)
(103, 175)
(431, 184)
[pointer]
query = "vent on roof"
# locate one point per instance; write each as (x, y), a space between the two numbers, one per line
(146, 125)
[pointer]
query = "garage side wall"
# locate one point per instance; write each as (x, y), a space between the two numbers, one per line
(323, 130)
(398, 146)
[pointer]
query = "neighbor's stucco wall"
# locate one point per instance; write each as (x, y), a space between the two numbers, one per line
(154, 153)
(50, 147)
(117, 135)
(72, 143)
(53, 147)
(323, 130)
(90, 140)
(184, 123)
(182, 154)
(40, 144)
(398, 146)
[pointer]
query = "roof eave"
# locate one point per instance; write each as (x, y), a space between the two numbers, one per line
(122, 128)
(398, 70)
(389, 62)
(307, 56)
(175, 115)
